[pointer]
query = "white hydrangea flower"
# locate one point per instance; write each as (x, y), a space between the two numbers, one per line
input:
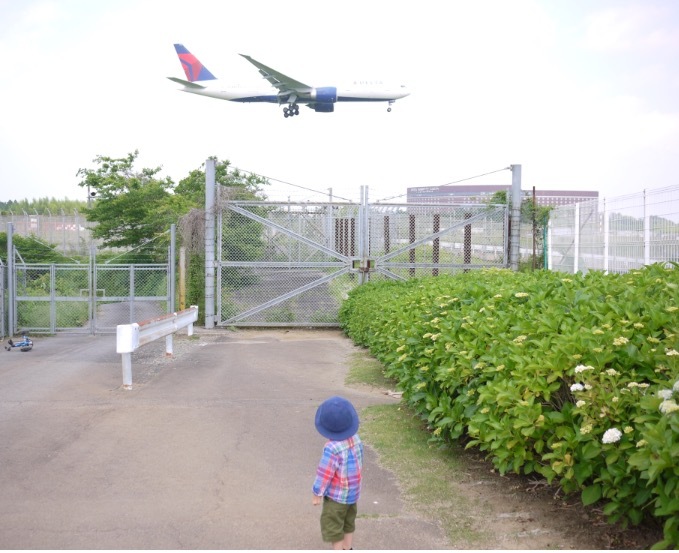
(668, 406)
(581, 403)
(583, 368)
(665, 394)
(676, 386)
(611, 436)
(577, 387)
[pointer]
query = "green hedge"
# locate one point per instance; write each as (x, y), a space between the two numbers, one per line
(574, 377)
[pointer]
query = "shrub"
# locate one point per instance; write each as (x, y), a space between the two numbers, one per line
(545, 372)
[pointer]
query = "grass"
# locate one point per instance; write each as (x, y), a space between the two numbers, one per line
(366, 370)
(426, 473)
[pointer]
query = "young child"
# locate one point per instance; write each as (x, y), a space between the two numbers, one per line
(338, 476)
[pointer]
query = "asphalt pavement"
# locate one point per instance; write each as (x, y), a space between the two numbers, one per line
(212, 448)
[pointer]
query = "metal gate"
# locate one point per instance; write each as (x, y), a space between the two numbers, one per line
(292, 264)
(79, 298)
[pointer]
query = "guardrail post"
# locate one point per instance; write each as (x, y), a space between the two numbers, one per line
(127, 370)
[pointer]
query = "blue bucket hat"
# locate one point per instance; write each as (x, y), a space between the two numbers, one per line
(336, 419)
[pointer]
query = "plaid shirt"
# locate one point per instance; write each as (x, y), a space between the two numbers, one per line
(338, 475)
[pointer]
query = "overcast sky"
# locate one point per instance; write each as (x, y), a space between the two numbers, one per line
(584, 95)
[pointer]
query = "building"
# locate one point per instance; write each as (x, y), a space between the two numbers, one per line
(477, 194)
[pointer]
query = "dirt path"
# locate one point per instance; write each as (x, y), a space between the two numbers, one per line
(518, 512)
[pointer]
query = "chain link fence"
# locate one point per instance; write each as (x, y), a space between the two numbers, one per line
(68, 232)
(93, 294)
(288, 264)
(615, 234)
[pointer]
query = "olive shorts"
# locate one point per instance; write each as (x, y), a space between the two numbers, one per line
(337, 519)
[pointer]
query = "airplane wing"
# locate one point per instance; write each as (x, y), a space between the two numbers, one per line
(284, 84)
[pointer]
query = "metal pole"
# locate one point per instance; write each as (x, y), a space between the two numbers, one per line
(647, 231)
(515, 219)
(182, 278)
(576, 240)
(172, 268)
(11, 279)
(92, 284)
(210, 243)
(550, 246)
(534, 230)
(607, 236)
(127, 371)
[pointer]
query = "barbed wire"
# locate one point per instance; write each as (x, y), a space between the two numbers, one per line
(452, 182)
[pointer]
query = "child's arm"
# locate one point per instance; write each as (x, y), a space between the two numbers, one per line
(324, 474)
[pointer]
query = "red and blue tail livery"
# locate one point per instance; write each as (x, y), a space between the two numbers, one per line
(284, 90)
(195, 71)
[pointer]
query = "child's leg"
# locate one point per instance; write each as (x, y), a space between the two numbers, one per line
(348, 539)
(349, 526)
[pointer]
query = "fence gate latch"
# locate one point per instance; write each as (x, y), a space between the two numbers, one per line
(363, 265)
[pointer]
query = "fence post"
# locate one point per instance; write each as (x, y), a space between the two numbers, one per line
(210, 243)
(549, 263)
(11, 279)
(576, 239)
(515, 221)
(647, 232)
(607, 236)
(92, 285)
(172, 267)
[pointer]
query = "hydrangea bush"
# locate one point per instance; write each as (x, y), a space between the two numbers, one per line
(573, 377)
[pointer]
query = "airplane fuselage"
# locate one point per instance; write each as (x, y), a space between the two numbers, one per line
(284, 89)
(349, 94)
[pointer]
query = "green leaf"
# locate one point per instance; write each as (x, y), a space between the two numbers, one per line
(591, 494)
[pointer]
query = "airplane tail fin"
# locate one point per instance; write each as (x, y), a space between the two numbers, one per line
(195, 71)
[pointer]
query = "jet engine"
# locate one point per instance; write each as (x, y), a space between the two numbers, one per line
(324, 95)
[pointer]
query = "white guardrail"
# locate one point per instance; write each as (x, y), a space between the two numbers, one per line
(133, 336)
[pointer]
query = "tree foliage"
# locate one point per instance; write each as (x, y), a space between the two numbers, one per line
(41, 206)
(32, 250)
(132, 207)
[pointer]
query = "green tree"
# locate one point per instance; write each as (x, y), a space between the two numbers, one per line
(531, 215)
(32, 250)
(135, 208)
(131, 207)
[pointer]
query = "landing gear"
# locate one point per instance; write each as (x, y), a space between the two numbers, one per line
(389, 106)
(292, 109)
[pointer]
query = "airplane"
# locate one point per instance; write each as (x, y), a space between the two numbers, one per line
(288, 91)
